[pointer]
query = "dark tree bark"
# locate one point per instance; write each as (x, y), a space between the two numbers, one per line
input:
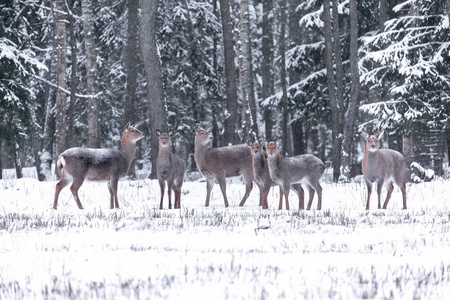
(155, 92)
(131, 61)
(229, 136)
(91, 75)
(383, 13)
(73, 80)
(266, 67)
(295, 38)
(60, 50)
(283, 75)
(353, 106)
(131, 67)
(335, 128)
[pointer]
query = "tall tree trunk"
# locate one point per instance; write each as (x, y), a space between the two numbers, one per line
(353, 106)
(295, 38)
(247, 70)
(383, 14)
(17, 162)
(230, 74)
(266, 64)
(46, 153)
(60, 102)
(73, 81)
(91, 75)
(284, 101)
(339, 77)
(335, 130)
(131, 66)
(131, 61)
(155, 92)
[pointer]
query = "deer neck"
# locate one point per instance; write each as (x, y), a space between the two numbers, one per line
(128, 149)
(372, 157)
(200, 151)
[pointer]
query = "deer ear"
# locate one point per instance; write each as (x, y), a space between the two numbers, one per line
(158, 133)
(170, 132)
(209, 128)
(380, 135)
(249, 142)
(264, 143)
(127, 126)
(365, 135)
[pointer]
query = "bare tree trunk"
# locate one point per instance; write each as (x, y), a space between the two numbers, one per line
(295, 38)
(353, 106)
(332, 91)
(266, 67)
(247, 70)
(60, 102)
(383, 14)
(283, 75)
(131, 67)
(73, 81)
(155, 92)
(131, 61)
(230, 74)
(91, 75)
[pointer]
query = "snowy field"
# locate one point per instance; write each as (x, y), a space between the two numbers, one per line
(139, 251)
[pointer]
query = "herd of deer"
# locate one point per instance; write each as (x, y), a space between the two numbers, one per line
(258, 162)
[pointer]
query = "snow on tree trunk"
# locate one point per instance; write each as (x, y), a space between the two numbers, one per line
(267, 48)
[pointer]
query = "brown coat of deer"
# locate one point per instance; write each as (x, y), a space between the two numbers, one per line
(220, 163)
(170, 168)
(302, 169)
(261, 172)
(79, 164)
(385, 167)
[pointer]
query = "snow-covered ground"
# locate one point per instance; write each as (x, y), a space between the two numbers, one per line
(139, 251)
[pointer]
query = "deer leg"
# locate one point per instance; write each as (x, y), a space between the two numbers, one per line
(114, 184)
(209, 187)
(280, 205)
(301, 195)
(111, 194)
(177, 198)
(403, 189)
(223, 187)
(63, 182)
(369, 192)
(319, 195)
(162, 186)
(379, 189)
(169, 192)
(311, 192)
(76, 184)
(286, 198)
(390, 189)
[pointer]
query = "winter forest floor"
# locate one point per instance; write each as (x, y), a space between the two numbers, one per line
(139, 251)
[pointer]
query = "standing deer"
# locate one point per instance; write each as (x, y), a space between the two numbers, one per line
(261, 172)
(383, 166)
(170, 168)
(302, 169)
(220, 163)
(79, 164)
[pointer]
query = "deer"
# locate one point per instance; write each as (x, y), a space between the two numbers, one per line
(383, 166)
(79, 164)
(222, 162)
(261, 172)
(170, 168)
(292, 172)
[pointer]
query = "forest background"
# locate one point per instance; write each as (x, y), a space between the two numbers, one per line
(314, 73)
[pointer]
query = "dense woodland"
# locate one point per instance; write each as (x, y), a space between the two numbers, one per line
(315, 74)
